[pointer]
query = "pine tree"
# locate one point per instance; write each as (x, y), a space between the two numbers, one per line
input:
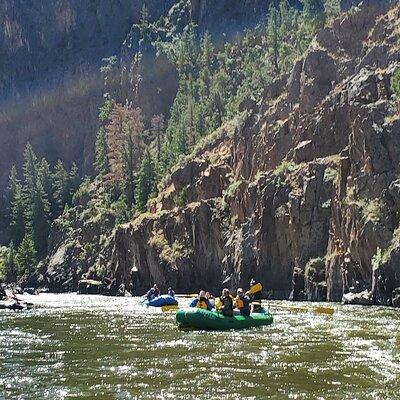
(273, 27)
(312, 8)
(37, 210)
(62, 187)
(158, 130)
(46, 178)
(125, 146)
(26, 256)
(17, 208)
(332, 7)
(10, 265)
(100, 163)
(74, 182)
(146, 181)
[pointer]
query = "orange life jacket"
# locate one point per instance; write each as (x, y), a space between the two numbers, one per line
(201, 303)
(239, 303)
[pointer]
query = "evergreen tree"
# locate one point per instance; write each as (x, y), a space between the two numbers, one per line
(46, 178)
(26, 256)
(273, 28)
(146, 180)
(17, 208)
(37, 210)
(158, 130)
(312, 8)
(10, 265)
(74, 182)
(332, 7)
(100, 163)
(62, 187)
(125, 146)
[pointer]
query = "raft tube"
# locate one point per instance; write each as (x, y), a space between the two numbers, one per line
(197, 318)
(163, 300)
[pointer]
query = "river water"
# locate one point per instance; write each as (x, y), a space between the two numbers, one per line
(85, 347)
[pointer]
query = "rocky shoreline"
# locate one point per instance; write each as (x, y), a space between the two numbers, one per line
(9, 300)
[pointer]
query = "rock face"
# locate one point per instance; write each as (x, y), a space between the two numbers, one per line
(50, 82)
(300, 191)
(50, 86)
(80, 245)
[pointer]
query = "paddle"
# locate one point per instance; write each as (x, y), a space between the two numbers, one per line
(318, 310)
(169, 308)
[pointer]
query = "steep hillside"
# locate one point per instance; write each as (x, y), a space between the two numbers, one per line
(50, 81)
(299, 191)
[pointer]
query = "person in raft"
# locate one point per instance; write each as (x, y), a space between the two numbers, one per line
(153, 293)
(171, 292)
(210, 298)
(226, 306)
(201, 301)
(242, 303)
(255, 295)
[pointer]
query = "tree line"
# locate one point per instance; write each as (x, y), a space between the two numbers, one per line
(35, 197)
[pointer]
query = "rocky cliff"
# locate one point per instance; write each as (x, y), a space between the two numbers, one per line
(50, 81)
(300, 191)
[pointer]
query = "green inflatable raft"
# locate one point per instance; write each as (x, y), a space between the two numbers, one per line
(197, 318)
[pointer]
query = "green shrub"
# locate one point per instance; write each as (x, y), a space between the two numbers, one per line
(284, 169)
(180, 198)
(315, 270)
(82, 192)
(172, 254)
(281, 211)
(378, 258)
(330, 174)
(395, 81)
(372, 210)
(158, 240)
(229, 192)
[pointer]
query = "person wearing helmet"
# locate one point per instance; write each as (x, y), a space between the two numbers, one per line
(242, 303)
(201, 301)
(226, 303)
(153, 293)
(255, 294)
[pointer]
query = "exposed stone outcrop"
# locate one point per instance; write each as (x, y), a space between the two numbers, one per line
(311, 193)
(80, 244)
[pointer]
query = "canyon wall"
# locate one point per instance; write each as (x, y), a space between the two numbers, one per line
(300, 191)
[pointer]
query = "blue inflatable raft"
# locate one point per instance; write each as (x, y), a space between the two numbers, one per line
(163, 300)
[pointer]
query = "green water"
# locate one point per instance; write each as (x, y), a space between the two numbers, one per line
(86, 347)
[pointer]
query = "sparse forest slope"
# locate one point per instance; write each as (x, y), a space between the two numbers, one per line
(279, 160)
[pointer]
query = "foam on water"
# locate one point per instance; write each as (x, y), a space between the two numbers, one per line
(73, 346)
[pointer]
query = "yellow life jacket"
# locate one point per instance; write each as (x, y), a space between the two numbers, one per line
(218, 303)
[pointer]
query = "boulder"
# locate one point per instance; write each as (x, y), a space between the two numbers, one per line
(362, 298)
(396, 297)
(89, 286)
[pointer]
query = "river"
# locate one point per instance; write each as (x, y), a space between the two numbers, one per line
(84, 347)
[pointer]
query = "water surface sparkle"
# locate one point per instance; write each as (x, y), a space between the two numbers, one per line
(87, 347)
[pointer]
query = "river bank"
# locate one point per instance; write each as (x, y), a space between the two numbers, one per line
(111, 347)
